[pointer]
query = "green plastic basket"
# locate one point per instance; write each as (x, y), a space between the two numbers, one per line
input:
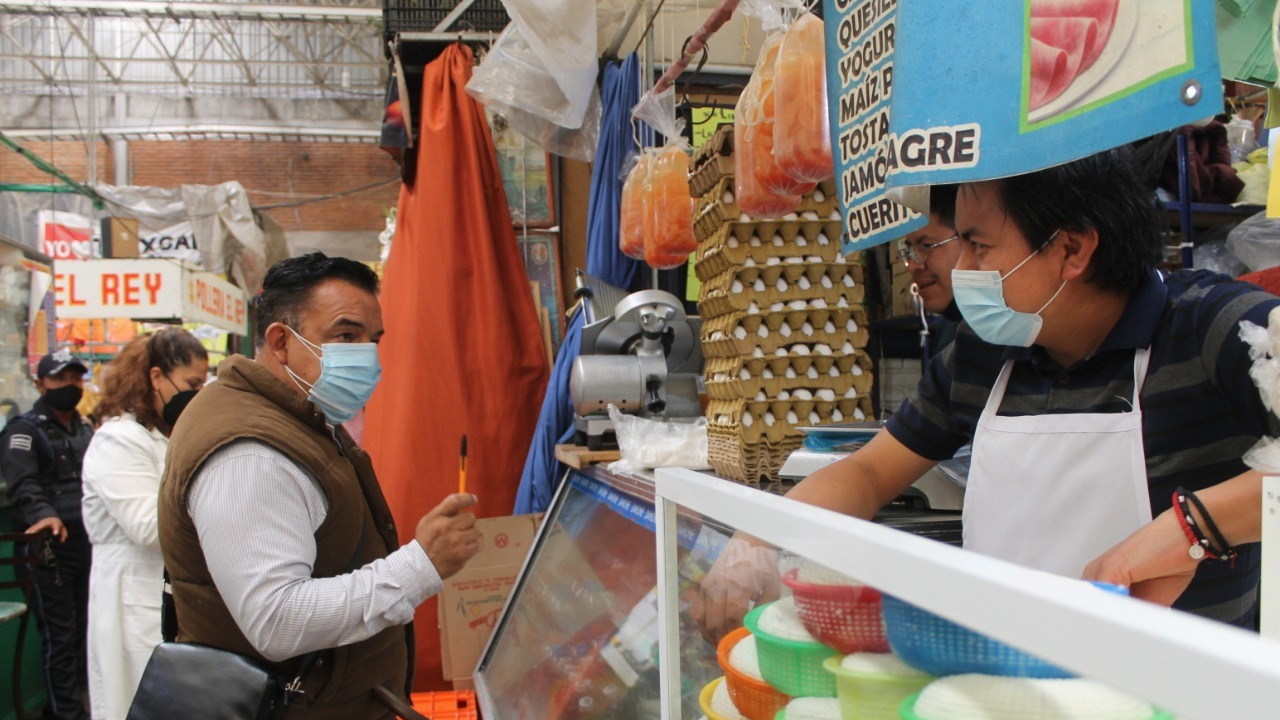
(868, 696)
(908, 711)
(792, 667)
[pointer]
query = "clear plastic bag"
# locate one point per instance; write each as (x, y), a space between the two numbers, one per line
(751, 196)
(801, 130)
(1256, 241)
(1264, 350)
(646, 443)
(670, 204)
(758, 114)
(513, 82)
(634, 214)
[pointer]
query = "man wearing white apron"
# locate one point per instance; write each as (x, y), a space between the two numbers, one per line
(1092, 390)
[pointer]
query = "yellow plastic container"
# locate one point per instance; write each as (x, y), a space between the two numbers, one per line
(872, 696)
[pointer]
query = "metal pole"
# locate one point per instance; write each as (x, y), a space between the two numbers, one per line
(91, 122)
(650, 49)
(611, 52)
(120, 146)
(1184, 201)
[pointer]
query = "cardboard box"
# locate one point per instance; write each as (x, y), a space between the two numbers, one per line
(472, 599)
(119, 237)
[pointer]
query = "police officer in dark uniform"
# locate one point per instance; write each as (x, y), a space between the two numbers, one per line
(41, 452)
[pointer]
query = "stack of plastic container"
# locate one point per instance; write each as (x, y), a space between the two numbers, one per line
(784, 328)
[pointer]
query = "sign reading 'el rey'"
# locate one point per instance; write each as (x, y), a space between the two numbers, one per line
(861, 37)
(147, 290)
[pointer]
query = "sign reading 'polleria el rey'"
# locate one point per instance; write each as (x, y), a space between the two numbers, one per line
(861, 37)
(984, 90)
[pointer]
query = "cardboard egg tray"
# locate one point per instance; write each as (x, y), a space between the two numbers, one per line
(819, 285)
(777, 420)
(719, 202)
(762, 232)
(743, 334)
(713, 259)
(751, 378)
(705, 177)
(746, 463)
(712, 162)
(783, 277)
(723, 251)
(719, 144)
(823, 200)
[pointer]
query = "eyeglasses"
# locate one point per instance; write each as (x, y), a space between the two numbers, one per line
(918, 253)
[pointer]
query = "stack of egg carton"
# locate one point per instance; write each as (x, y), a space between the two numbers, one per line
(784, 328)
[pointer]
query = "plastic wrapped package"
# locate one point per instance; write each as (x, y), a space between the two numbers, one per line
(758, 113)
(801, 130)
(671, 206)
(1256, 241)
(633, 213)
(753, 199)
(752, 196)
(513, 81)
(670, 239)
(646, 444)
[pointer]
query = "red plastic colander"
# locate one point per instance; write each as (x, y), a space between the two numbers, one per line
(844, 617)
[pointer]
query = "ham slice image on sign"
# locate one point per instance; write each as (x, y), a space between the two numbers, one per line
(1067, 36)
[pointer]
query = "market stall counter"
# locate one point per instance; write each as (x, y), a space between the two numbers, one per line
(578, 637)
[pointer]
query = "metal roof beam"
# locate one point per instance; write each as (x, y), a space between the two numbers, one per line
(164, 9)
(205, 130)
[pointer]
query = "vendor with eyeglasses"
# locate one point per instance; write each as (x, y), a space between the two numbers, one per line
(930, 254)
(1109, 405)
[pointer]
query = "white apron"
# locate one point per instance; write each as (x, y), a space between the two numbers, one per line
(1055, 491)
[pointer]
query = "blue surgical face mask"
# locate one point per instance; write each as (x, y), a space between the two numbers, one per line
(980, 296)
(349, 372)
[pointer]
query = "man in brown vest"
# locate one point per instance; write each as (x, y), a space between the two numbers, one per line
(274, 530)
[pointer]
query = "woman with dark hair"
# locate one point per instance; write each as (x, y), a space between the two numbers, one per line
(146, 388)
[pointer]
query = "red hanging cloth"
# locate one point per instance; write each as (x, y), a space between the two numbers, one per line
(463, 350)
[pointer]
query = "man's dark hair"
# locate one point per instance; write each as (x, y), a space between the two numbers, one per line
(288, 285)
(942, 202)
(1099, 192)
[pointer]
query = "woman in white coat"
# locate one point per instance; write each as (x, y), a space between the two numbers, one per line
(146, 388)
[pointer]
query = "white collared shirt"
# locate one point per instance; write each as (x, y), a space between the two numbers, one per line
(256, 513)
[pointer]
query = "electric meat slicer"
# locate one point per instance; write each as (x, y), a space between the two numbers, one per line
(639, 352)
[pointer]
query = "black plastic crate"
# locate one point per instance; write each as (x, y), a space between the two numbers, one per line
(425, 15)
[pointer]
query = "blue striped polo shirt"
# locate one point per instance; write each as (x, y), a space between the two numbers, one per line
(1200, 409)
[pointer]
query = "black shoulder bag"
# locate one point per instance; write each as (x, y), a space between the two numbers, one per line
(198, 682)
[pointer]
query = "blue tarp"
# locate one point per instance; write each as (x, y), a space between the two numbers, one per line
(555, 421)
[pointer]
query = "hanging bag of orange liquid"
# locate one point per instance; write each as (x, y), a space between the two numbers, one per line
(801, 130)
(751, 196)
(634, 211)
(672, 208)
(759, 117)
(670, 205)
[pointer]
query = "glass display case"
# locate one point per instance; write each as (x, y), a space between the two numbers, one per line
(578, 638)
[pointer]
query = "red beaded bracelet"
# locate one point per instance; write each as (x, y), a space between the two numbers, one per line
(1199, 548)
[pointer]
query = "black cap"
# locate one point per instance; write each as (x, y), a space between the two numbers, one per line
(56, 362)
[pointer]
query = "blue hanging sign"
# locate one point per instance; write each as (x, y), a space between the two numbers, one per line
(990, 89)
(861, 37)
